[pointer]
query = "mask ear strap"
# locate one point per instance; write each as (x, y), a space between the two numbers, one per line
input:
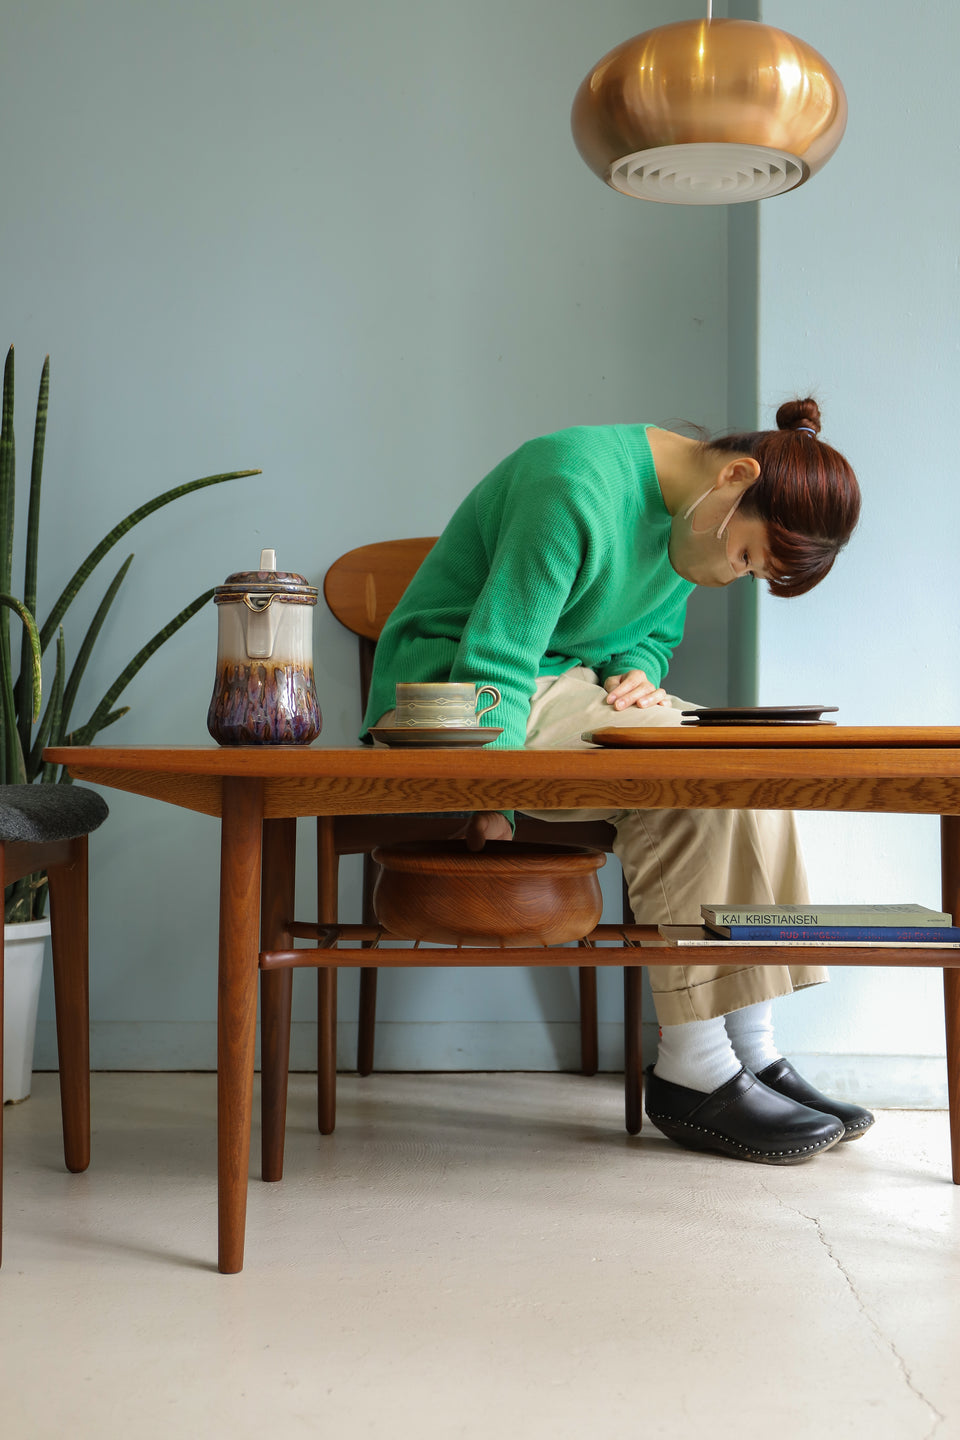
(688, 513)
(729, 516)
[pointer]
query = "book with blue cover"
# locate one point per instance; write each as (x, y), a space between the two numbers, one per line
(852, 937)
(845, 934)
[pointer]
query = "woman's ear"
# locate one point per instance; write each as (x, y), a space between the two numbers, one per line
(740, 473)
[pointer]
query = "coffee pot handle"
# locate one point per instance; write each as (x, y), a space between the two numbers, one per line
(260, 619)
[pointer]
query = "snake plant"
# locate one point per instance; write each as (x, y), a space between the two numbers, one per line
(27, 727)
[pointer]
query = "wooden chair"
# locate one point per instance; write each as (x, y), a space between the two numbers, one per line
(45, 827)
(361, 589)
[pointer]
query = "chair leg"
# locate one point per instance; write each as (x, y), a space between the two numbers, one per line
(632, 1045)
(328, 901)
(367, 1027)
(589, 1043)
(327, 1050)
(69, 920)
(367, 1017)
(632, 1029)
(278, 891)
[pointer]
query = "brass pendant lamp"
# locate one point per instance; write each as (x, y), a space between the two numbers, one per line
(709, 112)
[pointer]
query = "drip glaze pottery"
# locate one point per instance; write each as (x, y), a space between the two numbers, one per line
(264, 691)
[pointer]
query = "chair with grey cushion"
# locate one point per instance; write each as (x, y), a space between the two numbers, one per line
(45, 828)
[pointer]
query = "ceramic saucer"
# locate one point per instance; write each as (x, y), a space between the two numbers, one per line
(435, 735)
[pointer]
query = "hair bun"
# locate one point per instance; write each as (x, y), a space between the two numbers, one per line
(796, 413)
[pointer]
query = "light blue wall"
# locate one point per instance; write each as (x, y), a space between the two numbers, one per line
(858, 304)
(355, 246)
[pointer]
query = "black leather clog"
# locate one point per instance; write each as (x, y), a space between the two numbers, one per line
(743, 1118)
(782, 1077)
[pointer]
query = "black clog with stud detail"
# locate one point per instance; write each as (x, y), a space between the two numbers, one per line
(743, 1118)
(782, 1077)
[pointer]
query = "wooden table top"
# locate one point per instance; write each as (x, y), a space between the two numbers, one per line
(907, 770)
(783, 736)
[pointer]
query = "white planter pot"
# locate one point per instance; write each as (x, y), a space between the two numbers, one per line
(23, 947)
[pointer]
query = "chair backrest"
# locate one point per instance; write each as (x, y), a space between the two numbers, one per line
(363, 587)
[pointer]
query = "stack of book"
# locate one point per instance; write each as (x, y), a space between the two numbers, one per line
(899, 925)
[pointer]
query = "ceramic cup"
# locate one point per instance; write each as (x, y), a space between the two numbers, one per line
(446, 705)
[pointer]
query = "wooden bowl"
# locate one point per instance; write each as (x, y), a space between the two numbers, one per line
(506, 894)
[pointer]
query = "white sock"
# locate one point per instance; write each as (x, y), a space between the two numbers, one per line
(751, 1035)
(698, 1055)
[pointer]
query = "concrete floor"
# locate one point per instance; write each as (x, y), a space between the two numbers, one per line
(473, 1256)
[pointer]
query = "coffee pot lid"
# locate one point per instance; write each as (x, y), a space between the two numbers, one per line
(267, 581)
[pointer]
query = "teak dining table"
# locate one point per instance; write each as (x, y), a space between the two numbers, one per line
(257, 792)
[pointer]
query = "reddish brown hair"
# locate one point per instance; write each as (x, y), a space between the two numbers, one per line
(806, 494)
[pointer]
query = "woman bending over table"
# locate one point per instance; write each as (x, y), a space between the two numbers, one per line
(563, 578)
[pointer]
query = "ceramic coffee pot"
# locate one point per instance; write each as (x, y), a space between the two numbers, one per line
(264, 692)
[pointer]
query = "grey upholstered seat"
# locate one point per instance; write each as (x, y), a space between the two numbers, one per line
(44, 828)
(40, 813)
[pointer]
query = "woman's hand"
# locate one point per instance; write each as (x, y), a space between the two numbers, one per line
(482, 826)
(633, 689)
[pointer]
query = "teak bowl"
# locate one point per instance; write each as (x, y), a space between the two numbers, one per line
(506, 894)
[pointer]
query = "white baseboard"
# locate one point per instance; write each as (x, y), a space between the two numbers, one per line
(886, 1081)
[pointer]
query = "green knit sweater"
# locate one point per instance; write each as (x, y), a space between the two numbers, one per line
(558, 558)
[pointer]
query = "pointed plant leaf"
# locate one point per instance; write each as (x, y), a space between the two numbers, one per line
(12, 768)
(111, 719)
(33, 548)
(7, 498)
(73, 585)
(7, 479)
(89, 640)
(18, 902)
(33, 504)
(95, 724)
(33, 651)
(65, 778)
(8, 766)
(52, 722)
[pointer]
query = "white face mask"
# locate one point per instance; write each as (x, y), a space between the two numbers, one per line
(701, 555)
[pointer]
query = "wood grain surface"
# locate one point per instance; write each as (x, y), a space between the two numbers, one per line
(314, 780)
(364, 586)
(620, 737)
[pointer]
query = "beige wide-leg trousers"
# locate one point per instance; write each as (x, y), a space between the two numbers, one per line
(676, 860)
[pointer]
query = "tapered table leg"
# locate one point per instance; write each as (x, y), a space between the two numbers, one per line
(240, 840)
(632, 1047)
(950, 890)
(327, 909)
(278, 890)
(71, 985)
